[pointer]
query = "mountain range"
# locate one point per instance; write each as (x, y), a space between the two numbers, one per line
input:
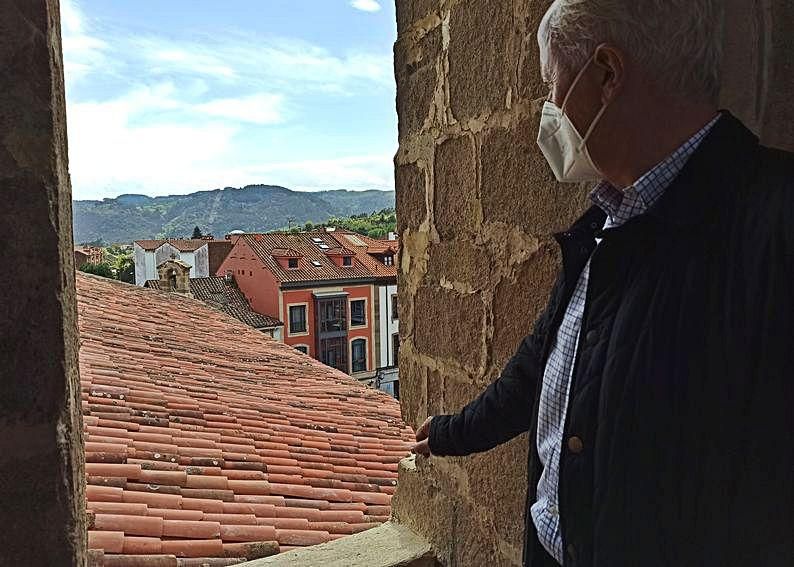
(254, 208)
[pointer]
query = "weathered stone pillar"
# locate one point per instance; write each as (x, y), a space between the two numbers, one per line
(41, 470)
(477, 204)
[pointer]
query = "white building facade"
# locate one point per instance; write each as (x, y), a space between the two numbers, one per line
(388, 329)
(148, 254)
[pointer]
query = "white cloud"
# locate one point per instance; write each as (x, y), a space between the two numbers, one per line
(257, 108)
(366, 5)
(354, 172)
(289, 64)
(169, 115)
(82, 51)
(115, 147)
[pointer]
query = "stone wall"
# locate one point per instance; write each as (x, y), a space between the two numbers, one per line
(477, 205)
(41, 471)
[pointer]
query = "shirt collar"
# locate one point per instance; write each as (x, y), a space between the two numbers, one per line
(621, 206)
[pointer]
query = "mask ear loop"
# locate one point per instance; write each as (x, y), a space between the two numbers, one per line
(576, 81)
(593, 124)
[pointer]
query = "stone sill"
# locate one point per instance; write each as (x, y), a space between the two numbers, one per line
(389, 545)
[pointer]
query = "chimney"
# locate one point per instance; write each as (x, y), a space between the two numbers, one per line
(392, 236)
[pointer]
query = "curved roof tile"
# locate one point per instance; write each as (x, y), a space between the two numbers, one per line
(205, 438)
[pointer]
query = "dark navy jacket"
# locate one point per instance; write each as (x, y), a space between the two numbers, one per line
(683, 390)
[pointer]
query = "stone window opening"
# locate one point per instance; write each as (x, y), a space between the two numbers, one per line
(36, 91)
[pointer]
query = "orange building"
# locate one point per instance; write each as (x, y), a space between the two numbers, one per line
(323, 285)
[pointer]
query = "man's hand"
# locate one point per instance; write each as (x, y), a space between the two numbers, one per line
(422, 446)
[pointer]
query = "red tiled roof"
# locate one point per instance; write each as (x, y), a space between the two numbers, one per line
(284, 253)
(227, 297)
(218, 250)
(202, 433)
(364, 247)
(340, 251)
(183, 245)
(265, 245)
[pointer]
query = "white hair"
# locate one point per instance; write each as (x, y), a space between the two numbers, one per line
(678, 41)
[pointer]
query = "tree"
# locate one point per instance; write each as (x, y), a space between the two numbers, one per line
(308, 226)
(125, 269)
(102, 269)
(197, 233)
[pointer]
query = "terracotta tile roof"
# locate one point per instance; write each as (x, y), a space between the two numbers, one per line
(202, 434)
(307, 246)
(183, 245)
(218, 250)
(365, 247)
(284, 253)
(226, 297)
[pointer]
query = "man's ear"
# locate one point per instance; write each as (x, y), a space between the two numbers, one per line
(611, 62)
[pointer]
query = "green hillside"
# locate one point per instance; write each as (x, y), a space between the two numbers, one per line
(255, 208)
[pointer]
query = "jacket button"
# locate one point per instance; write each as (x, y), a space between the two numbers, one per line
(591, 337)
(575, 445)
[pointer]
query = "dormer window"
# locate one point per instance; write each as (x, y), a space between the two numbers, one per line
(347, 261)
(292, 263)
(388, 260)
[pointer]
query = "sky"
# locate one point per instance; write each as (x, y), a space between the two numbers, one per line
(176, 96)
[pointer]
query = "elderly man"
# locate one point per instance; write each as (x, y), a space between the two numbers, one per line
(658, 386)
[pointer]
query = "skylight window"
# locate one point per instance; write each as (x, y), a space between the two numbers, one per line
(317, 240)
(316, 264)
(323, 246)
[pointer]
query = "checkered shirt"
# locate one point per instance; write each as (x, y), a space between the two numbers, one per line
(620, 206)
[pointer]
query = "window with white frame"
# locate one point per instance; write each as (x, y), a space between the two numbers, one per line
(359, 355)
(358, 313)
(297, 319)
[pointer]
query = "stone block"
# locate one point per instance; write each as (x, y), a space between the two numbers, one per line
(518, 303)
(415, 70)
(530, 85)
(413, 391)
(500, 486)
(481, 57)
(41, 451)
(409, 11)
(451, 326)
(460, 261)
(411, 189)
(456, 209)
(517, 185)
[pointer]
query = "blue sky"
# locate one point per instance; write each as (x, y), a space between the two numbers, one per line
(175, 96)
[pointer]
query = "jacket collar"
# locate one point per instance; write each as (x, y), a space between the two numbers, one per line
(724, 159)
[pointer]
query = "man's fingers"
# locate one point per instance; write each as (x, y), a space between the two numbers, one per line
(424, 430)
(421, 448)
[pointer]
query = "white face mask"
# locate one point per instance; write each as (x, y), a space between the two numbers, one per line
(562, 145)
